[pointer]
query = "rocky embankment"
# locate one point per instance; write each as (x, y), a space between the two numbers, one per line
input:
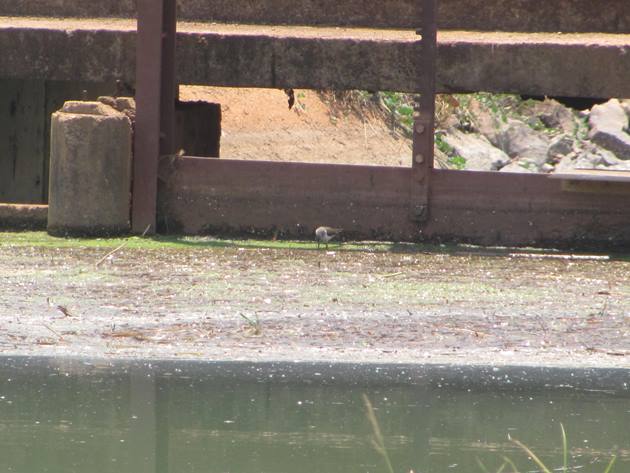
(506, 134)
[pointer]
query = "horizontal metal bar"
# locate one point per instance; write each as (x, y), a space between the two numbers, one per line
(371, 202)
(593, 175)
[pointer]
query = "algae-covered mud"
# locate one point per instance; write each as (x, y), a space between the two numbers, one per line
(230, 300)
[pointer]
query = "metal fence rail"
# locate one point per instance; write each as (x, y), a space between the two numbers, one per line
(419, 203)
(156, 96)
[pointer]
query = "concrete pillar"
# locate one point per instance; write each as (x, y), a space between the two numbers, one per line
(90, 170)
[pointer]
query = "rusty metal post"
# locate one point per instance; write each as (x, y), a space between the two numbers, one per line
(155, 106)
(169, 86)
(424, 118)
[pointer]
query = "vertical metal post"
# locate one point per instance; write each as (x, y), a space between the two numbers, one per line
(155, 105)
(424, 121)
(169, 86)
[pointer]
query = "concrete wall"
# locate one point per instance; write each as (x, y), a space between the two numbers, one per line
(612, 16)
(588, 65)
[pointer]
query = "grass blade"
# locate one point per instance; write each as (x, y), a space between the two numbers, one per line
(610, 465)
(565, 450)
(378, 441)
(482, 466)
(532, 455)
(511, 463)
(485, 470)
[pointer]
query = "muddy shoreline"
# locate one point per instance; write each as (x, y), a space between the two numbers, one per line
(274, 304)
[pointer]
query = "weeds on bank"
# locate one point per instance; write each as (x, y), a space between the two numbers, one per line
(253, 324)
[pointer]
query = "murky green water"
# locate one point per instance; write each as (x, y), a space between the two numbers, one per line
(73, 416)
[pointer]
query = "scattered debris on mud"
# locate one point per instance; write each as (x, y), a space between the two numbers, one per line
(460, 305)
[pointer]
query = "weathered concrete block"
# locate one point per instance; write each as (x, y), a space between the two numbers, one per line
(90, 170)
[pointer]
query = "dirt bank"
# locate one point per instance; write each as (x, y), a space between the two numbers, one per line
(231, 303)
(257, 124)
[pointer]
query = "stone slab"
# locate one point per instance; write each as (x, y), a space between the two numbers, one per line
(23, 217)
(611, 16)
(278, 57)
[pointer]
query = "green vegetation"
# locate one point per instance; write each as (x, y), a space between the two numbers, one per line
(457, 110)
(454, 160)
(253, 324)
(401, 108)
(377, 439)
(42, 239)
(38, 239)
(539, 463)
(378, 443)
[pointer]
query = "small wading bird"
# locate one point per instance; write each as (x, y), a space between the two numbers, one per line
(325, 234)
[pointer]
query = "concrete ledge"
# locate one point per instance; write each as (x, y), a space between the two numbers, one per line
(611, 16)
(581, 65)
(23, 217)
(570, 377)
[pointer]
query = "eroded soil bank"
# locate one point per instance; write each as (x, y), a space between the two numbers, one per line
(233, 301)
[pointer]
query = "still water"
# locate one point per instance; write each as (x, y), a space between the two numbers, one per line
(67, 416)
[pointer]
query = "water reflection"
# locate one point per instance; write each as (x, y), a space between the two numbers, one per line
(73, 416)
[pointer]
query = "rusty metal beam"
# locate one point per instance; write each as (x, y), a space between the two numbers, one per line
(155, 105)
(211, 195)
(424, 117)
(168, 84)
(148, 114)
(371, 202)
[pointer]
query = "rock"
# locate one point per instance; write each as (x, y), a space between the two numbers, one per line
(623, 166)
(553, 114)
(587, 160)
(440, 159)
(520, 142)
(591, 157)
(609, 116)
(617, 142)
(608, 123)
(521, 165)
(560, 146)
(477, 150)
(608, 158)
(566, 164)
(484, 122)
